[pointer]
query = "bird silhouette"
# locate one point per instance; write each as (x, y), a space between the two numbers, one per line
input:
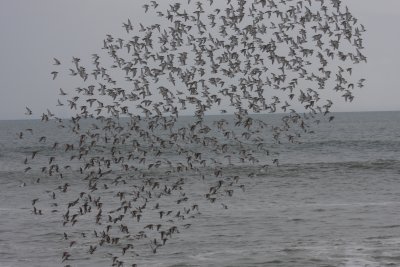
(248, 58)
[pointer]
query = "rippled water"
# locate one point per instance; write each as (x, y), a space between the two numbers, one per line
(333, 201)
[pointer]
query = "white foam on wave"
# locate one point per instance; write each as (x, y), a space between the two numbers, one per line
(208, 256)
(383, 203)
(345, 255)
(358, 256)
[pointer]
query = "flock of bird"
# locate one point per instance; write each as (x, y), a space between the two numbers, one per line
(242, 57)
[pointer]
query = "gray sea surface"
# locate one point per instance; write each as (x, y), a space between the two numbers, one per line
(334, 200)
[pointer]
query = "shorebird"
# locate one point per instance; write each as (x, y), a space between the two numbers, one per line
(56, 62)
(62, 92)
(177, 64)
(28, 111)
(54, 73)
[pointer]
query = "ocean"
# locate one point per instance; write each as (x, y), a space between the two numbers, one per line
(333, 200)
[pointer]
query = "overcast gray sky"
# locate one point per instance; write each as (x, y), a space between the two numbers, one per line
(33, 32)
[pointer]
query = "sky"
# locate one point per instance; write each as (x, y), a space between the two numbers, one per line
(33, 32)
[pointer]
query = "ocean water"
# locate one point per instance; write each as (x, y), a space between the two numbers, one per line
(334, 200)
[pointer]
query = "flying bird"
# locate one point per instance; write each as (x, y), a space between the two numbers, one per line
(132, 155)
(56, 62)
(28, 111)
(54, 73)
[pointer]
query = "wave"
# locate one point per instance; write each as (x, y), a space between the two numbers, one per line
(361, 165)
(356, 145)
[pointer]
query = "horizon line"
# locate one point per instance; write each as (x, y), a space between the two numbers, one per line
(225, 114)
